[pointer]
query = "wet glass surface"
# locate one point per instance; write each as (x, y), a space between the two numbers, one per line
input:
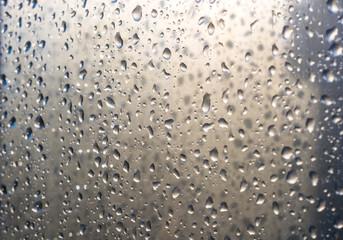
(171, 119)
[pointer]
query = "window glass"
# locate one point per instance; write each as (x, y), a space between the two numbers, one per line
(200, 119)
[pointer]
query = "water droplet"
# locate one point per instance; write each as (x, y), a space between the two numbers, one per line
(83, 74)
(137, 13)
(28, 133)
(222, 174)
(276, 208)
(247, 56)
(209, 202)
(329, 76)
(271, 131)
(123, 65)
(169, 124)
(37, 207)
(39, 123)
(175, 192)
(118, 40)
(137, 176)
(287, 32)
(166, 53)
(27, 46)
(206, 103)
(116, 154)
(314, 178)
(223, 207)
(223, 123)
(333, 6)
(214, 155)
(183, 67)
(336, 50)
(260, 199)
(243, 185)
(275, 50)
(135, 39)
(210, 28)
(12, 122)
(321, 205)
(331, 34)
(310, 123)
(286, 153)
(292, 177)
(110, 102)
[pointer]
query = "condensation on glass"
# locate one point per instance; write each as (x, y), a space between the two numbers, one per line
(171, 119)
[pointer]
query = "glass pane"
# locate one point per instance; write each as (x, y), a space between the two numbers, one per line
(171, 119)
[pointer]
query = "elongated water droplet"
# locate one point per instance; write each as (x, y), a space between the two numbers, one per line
(118, 40)
(310, 123)
(137, 13)
(210, 28)
(206, 103)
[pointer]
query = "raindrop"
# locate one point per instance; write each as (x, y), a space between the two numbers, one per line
(39, 123)
(333, 6)
(183, 67)
(210, 28)
(166, 53)
(243, 185)
(275, 50)
(118, 40)
(214, 155)
(83, 74)
(137, 13)
(28, 133)
(209, 202)
(206, 103)
(286, 153)
(292, 177)
(310, 123)
(175, 192)
(287, 32)
(37, 207)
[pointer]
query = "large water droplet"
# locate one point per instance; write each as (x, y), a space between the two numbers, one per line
(286, 153)
(287, 32)
(210, 28)
(137, 13)
(39, 122)
(310, 123)
(206, 103)
(118, 40)
(292, 177)
(166, 53)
